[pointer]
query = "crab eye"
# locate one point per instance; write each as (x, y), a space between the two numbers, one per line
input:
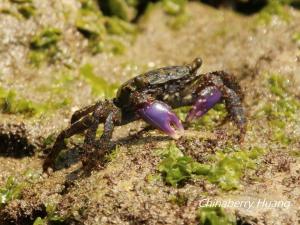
(139, 82)
(196, 64)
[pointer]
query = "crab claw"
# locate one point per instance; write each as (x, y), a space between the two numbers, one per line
(159, 115)
(208, 97)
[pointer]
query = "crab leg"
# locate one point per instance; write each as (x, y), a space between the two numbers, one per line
(159, 115)
(208, 97)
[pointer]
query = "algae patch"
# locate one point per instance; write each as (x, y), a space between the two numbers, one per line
(52, 216)
(44, 46)
(100, 87)
(129, 10)
(215, 216)
(274, 8)
(177, 168)
(20, 9)
(226, 169)
(103, 33)
(10, 102)
(11, 190)
(229, 168)
(281, 110)
(13, 103)
(90, 24)
(25, 7)
(123, 9)
(13, 187)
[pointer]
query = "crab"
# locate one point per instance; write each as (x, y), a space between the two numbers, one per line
(151, 97)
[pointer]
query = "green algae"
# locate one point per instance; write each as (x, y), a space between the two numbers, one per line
(11, 12)
(174, 7)
(229, 168)
(178, 169)
(100, 87)
(176, 11)
(13, 186)
(296, 37)
(46, 39)
(101, 27)
(12, 103)
(113, 154)
(119, 27)
(27, 10)
(43, 46)
(226, 169)
(25, 7)
(21, 9)
(100, 30)
(58, 90)
(51, 218)
(62, 84)
(178, 21)
(215, 216)
(11, 190)
(90, 21)
(282, 110)
(120, 8)
(295, 153)
(115, 45)
(128, 10)
(180, 199)
(274, 8)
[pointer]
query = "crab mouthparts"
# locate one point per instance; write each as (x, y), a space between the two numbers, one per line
(159, 115)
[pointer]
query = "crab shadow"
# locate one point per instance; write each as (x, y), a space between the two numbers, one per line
(73, 155)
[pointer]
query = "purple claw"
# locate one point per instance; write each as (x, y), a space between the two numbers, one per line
(159, 115)
(207, 99)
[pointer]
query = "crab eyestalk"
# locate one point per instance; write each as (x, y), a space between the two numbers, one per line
(159, 115)
(207, 99)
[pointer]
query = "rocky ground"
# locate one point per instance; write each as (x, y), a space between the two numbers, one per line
(53, 62)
